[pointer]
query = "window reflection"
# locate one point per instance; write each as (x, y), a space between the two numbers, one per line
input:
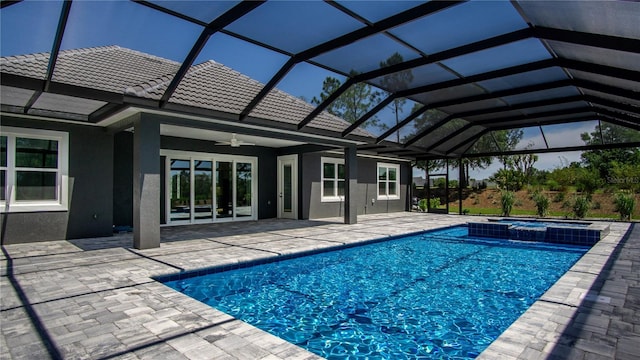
(203, 188)
(3, 184)
(36, 185)
(3, 151)
(36, 153)
(180, 177)
(329, 171)
(243, 189)
(224, 189)
(287, 189)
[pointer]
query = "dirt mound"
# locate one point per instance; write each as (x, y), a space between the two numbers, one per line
(559, 202)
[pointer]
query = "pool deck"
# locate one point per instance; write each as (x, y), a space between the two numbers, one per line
(95, 299)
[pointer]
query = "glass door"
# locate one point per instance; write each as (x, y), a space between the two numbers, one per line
(243, 189)
(224, 189)
(180, 190)
(203, 190)
(287, 187)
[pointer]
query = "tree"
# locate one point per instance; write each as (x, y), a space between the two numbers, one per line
(396, 81)
(521, 165)
(507, 140)
(604, 161)
(351, 105)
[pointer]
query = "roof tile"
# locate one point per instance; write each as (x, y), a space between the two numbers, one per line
(209, 85)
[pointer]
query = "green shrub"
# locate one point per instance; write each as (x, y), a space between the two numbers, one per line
(581, 205)
(559, 197)
(542, 204)
(434, 203)
(624, 205)
(507, 198)
(566, 206)
(422, 204)
(553, 185)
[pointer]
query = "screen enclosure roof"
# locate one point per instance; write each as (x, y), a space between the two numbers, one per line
(439, 78)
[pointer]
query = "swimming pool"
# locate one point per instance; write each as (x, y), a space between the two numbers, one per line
(433, 295)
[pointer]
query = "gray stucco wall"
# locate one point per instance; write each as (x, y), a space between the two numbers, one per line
(123, 202)
(312, 206)
(123, 179)
(90, 189)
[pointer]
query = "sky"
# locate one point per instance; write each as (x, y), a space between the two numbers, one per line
(137, 27)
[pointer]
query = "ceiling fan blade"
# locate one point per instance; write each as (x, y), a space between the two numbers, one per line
(234, 142)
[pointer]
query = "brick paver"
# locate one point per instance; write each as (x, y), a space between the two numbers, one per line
(95, 299)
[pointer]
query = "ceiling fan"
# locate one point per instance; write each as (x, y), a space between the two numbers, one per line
(234, 142)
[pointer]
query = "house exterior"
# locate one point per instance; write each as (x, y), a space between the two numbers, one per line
(105, 149)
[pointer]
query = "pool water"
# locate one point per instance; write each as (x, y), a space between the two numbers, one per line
(436, 295)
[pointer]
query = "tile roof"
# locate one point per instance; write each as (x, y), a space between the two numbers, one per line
(209, 85)
(214, 86)
(108, 68)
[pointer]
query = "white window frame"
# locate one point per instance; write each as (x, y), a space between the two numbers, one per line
(330, 197)
(386, 195)
(61, 203)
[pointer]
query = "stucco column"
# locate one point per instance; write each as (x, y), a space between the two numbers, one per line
(146, 182)
(350, 185)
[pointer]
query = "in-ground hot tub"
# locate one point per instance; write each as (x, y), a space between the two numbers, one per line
(552, 231)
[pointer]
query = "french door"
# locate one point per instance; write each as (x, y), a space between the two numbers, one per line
(287, 187)
(204, 188)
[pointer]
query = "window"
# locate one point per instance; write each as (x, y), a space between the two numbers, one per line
(388, 181)
(33, 170)
(332, 179)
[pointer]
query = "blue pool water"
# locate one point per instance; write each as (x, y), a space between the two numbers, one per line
(437, 295)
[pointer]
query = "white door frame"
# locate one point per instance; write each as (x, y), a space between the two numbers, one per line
(293, 161)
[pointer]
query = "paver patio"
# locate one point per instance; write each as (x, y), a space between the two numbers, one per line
(94, 298)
